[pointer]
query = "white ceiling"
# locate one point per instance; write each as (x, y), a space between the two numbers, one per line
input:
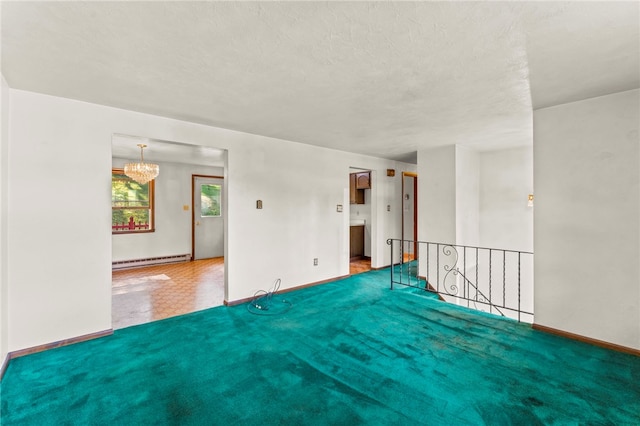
(126, 147)
(377, 78)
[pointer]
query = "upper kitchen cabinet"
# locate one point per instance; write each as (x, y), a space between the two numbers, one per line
(358, 182)
(363, 180)
(356, 196)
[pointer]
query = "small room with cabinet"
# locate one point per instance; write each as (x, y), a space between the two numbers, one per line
(360, 220)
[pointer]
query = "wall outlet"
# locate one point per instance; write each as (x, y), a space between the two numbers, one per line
(315, 261)
(388, 207)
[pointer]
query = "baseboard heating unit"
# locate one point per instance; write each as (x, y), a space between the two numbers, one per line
(136, 263)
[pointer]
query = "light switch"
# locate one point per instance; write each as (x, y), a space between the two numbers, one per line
(259, 204)
(339, 208)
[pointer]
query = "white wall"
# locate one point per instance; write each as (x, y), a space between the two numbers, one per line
(387, 210)
(506, 222)
(474, 198)
(173, 224)
(68, 294)
(587, 214)
(4, 185)
(467, 196)
(506, 180)
(408, 206)
(437, 194)
(448, 195)
(59, 276)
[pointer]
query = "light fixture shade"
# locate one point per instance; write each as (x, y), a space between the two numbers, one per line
(141, 172)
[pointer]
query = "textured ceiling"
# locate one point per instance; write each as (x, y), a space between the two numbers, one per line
(126, 147)
(377, 78)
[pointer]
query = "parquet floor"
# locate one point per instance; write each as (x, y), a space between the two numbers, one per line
(408, 257)
(152, 293)
(359, 266)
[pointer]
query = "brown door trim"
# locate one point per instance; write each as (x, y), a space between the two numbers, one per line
(415, 212)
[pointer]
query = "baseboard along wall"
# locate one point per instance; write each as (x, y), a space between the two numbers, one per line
(585, 339)
(3, 367)
(287, 290)
(47, 346)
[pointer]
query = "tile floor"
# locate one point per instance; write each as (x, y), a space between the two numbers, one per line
(359, 266)
(152, 293)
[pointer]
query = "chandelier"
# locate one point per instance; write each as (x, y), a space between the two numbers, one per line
(141, 172)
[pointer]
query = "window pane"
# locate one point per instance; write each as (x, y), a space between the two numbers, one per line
(123, 217)
(210, 200)
(131, 204)
(126, 192)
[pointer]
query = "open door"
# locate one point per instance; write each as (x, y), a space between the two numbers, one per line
(207, 225)
(409, 216)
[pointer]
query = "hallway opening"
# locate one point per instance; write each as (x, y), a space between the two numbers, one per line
(187, 222)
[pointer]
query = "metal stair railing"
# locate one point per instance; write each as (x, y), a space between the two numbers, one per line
(499, 280)
(478, 292)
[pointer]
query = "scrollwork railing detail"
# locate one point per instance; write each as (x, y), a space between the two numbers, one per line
(441, 267)
(452, 271)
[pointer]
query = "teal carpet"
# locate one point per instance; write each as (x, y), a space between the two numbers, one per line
(347, 353)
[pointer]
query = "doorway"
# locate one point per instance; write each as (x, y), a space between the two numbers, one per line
(207, 221)
(361, 203)
(409, 216)
(152, 277)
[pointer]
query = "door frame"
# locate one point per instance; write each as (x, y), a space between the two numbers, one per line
(193, 210)
(415, 214)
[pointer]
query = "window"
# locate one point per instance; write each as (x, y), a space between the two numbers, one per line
(131, 204)
(210, 200)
